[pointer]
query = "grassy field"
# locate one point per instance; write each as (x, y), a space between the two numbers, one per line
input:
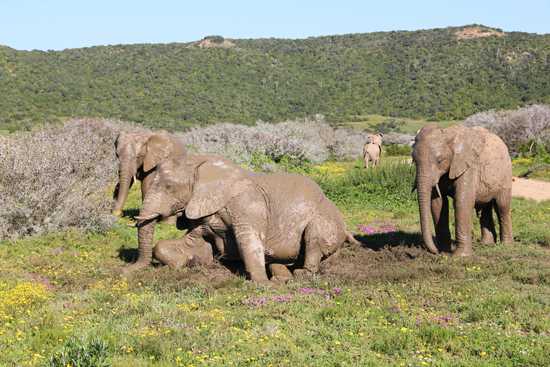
(387, 302)
(404, 125)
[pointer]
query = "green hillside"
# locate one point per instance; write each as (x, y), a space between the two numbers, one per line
(436, 74)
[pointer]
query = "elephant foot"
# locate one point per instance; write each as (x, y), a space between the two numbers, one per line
(302, 273)
(463, 252)
(280, 273)
(177, 253)
(487, 241)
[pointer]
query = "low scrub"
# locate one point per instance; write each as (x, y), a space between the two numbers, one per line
(57, 178)
(523, 130)
(310, 140)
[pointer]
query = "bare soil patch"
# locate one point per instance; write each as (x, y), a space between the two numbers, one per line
(477, 32)
(531, 189)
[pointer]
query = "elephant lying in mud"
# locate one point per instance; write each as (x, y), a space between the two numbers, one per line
(256, 218)
(131, 149)
(474, 167)
(372, 150)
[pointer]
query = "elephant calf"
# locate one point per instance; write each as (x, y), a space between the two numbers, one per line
(259, 219)
(372, 149)
(473, 166)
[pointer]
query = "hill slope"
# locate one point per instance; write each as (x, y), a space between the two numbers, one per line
(439, 74)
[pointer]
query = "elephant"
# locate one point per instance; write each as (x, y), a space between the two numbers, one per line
(372, 149)
(473, 166)
(130, 150)
(276, 219)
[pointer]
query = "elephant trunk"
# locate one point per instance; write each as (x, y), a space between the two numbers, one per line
(145, 243)
(424, 189)
(125, 180)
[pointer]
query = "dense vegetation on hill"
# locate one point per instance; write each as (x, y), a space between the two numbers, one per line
(437, 74)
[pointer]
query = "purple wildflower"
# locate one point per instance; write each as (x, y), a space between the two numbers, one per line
(282, 298)
(255, 301)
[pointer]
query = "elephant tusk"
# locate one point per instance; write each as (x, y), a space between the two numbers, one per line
(438, 191)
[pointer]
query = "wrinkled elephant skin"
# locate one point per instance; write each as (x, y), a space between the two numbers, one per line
(131, 149)
(256, 218)
(472, 166)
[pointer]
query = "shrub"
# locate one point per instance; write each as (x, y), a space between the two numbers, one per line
(305, 140)
(397, 150)
(308, 140)
(348, 144)
(384, 186)
(81, 353)
(521, 129)
(57, 178)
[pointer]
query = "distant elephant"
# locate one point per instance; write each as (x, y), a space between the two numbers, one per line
(131, 149)
(372, 149)
(256, 218)
(471, 165)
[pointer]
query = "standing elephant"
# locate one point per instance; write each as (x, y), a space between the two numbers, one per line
(372, 149)
(472, 166)
(257, 218)
(131, 149)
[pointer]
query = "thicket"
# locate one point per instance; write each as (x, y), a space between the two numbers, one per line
(309, 140)
(57, 178)
(526, 131)
(430, 74)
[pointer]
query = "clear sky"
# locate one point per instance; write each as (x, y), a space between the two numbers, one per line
(59, 24)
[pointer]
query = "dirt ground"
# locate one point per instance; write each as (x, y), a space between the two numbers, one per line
(531, 189)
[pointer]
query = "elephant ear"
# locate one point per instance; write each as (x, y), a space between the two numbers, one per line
(216, 182)
(466, 146)
(157, 148)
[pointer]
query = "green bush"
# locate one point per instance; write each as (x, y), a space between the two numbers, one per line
(397, 150)
(382, 187)
(82, 353)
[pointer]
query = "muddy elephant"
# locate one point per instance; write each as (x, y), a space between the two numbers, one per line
(472, 166)
(131, 149)
(256, 218)
(372, 149)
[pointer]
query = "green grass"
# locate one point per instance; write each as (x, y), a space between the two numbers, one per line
(406, 125)
(522, 165)
(62, 295)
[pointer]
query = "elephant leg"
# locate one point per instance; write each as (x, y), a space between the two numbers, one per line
(189, 250)
(464, 206)
(505, 216)
(318, 242)
(488, 233)
(251, 250)
(280, 273)
(440, 214)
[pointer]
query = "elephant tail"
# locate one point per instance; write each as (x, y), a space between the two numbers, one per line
(351, 239)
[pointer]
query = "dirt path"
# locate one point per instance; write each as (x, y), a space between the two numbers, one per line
(531, 189)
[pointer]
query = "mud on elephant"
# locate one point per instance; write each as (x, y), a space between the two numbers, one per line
(472, 166)
(131, 149)
(273, 219)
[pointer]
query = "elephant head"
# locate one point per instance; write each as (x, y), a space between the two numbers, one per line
(375, 139)
(199, 185)
(438, 152)
(131, 149)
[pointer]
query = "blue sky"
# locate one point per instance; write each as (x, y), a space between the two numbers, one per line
(59, 24)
